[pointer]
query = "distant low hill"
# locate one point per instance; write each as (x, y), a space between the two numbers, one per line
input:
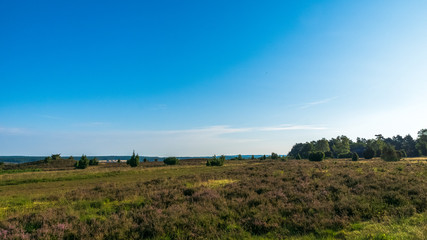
(25, 159)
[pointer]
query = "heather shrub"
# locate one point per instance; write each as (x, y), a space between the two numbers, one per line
(316, 156)
(355, 157)
(171, 161)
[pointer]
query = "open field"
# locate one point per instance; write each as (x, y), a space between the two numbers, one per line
(294, 199)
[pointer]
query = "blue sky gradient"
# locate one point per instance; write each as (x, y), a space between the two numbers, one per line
(190, 78)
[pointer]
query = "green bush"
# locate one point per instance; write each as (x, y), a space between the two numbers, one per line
(82, 163)
(214, 161)
(316, 156)
(93, 162)
(329, 154)
(298, 157)
(345, 155)
(355, 157)
(369, 153)
(47, 159)
(134, 160)
(171, 161)
(274, 155)
(389, 154)
(402, 154)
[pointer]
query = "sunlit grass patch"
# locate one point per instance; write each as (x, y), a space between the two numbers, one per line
(214, 183)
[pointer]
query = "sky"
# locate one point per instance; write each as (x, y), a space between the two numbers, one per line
(197, 78)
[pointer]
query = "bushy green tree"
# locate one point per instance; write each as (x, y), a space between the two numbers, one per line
(239, 157)
(298, 157)
(134, 160)
(274, 155)
(316, 156)
(355, 157)
(47, 159)
(214, 161)
(340, 145)
(171, 161)
(82, 163)
(322, 145)
(369, 153)
(253, 157)
(93, 162)
(145, 160)
(56, 156)
(389, 153)
(421, 143)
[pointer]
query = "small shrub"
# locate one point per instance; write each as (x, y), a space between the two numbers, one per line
(329, 154)
(389, 154)
(355, 157)
(171, 161)
(47, 159)
(369, 153)
(298, 157)
(402, 154)
(134, 160)
(316, 156)
(145, 159)
(239, 157)
(93, 162)
(216, 161)
(345, 155)
(274, 155)
(82, 163)
(253, 157)
(56, 156)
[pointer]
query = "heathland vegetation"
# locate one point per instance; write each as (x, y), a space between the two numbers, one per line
(338, 194)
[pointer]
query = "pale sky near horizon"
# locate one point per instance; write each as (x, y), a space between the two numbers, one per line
(192, 78)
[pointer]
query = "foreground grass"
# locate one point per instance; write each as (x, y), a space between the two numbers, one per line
(243, 199)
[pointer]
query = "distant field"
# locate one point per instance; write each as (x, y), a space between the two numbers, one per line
(294, 199)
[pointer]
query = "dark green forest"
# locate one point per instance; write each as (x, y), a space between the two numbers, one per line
(343, 147)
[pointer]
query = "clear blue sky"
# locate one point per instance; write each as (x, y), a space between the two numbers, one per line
(190, 78)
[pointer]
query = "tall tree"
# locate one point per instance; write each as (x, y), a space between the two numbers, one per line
(322, 145)
(422, 142)
(409, 145)
(341, 145)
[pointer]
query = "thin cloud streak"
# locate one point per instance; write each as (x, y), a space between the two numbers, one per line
(311, 104)
(224, 129)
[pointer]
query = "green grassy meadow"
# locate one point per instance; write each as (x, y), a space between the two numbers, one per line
(248, 199)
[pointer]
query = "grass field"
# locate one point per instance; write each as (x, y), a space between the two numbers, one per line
(294, 199)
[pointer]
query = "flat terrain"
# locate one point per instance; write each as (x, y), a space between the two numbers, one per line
(294, 199)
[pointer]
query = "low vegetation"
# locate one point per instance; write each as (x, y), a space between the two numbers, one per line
(261, 199)
(171, 161)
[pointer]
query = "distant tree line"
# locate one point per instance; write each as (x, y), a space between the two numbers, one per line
(343, 147)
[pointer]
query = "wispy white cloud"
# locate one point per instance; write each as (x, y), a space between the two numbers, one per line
(286, 127)
(13, 131)
(50, 117)
(311, 104)
(224, 129)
